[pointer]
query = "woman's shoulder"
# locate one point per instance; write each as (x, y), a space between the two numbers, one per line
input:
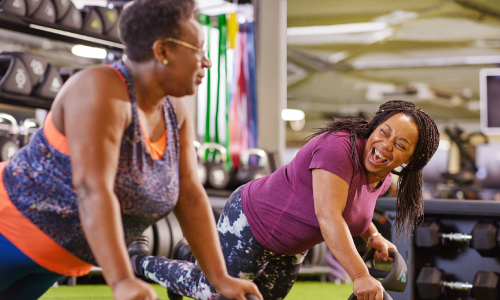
(334, 139)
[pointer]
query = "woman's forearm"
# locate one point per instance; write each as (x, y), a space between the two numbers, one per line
(339, 240)
(198, 225)
(369, 232)
(101, 222)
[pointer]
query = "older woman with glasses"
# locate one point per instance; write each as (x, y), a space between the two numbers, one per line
(114, 156)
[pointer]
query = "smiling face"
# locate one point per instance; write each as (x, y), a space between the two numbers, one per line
(390, 145)
(186, 66)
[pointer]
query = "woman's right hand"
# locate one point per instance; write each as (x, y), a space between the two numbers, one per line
(134, 289)
(368, 288)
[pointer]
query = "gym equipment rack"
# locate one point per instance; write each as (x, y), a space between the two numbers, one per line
(459, 261)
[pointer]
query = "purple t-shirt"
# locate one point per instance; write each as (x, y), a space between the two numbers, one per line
(280, 207)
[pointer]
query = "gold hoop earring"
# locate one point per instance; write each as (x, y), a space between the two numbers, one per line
(165, 61)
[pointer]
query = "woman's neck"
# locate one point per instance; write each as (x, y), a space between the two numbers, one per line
(149, 93)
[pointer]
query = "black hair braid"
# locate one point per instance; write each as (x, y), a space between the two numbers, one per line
(409, 199)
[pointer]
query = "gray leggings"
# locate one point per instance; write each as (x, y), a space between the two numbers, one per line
(274, 274)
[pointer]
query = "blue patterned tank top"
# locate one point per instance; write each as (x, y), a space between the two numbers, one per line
(38, 181)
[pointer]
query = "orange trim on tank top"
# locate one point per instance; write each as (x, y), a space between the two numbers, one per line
(57, 140)
(60, 142)
(33, 242)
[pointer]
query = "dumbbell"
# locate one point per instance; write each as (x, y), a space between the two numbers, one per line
(14, 76)
(36, 65)
(218, 177)
(109, 18)
(247, 173)
(49, 84)
(202, 170)
(9, 141)
(25, 136)
(92, 22)
(16, 7)
(484, 238)
(45, 12)
(72, 19)
(248, 296)
(394, 280)
(431, 284)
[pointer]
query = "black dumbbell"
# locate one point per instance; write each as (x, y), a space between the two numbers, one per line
(16, 7)
(218, 176)
(62, 8)
(9, 140)
(431, 284)
(50, 83)
(92, 22)
(248, 296)
(246, 172)
(394, 280)
(32, 6)
(46, 12)
(35, 64)
(14, 76)
(484, 238)
(109, 18)
(73, 18)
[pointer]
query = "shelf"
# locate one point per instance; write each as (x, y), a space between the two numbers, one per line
(57, 32)
(449, 207)
(25, 101)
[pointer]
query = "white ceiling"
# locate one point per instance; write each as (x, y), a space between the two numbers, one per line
(431, 53)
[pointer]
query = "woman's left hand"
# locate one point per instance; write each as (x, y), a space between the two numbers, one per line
(382, 246)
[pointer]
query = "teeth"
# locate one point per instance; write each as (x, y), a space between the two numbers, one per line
(379, 154)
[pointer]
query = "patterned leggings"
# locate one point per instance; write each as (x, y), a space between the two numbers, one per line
(274, 274)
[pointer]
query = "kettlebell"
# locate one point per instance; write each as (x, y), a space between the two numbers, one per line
(218, 177)
(9, 141)
(246, 172)
(202, 170)
(25, 135)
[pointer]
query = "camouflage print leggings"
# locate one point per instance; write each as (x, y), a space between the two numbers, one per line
(274, 274)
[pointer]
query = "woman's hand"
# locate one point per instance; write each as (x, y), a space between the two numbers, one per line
(134, 289)
(234, 288)
(382, 246)
(368, 288)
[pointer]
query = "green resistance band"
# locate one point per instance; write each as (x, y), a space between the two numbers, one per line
(205, 20)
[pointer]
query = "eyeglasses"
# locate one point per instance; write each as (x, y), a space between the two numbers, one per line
(201, 51)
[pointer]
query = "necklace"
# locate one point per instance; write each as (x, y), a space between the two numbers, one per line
(370, 173)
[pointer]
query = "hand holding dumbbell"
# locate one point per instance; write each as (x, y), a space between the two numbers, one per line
(393, 280)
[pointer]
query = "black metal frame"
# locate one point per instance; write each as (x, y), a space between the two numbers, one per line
(459, 261)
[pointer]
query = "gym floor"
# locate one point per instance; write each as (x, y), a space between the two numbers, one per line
(301, 290)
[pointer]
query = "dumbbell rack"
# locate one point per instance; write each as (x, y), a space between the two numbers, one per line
(57, 32)
(53, 31)
(461, 262)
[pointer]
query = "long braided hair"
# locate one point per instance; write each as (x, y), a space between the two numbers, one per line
(409, 200)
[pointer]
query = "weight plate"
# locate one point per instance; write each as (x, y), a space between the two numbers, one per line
(162, 238)
(175, 231)
(150, 234)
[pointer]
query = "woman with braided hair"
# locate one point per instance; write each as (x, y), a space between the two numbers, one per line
(326, 193)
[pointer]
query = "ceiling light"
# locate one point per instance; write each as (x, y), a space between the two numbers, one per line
(336, 29)
(292, 115)
(90, 52)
